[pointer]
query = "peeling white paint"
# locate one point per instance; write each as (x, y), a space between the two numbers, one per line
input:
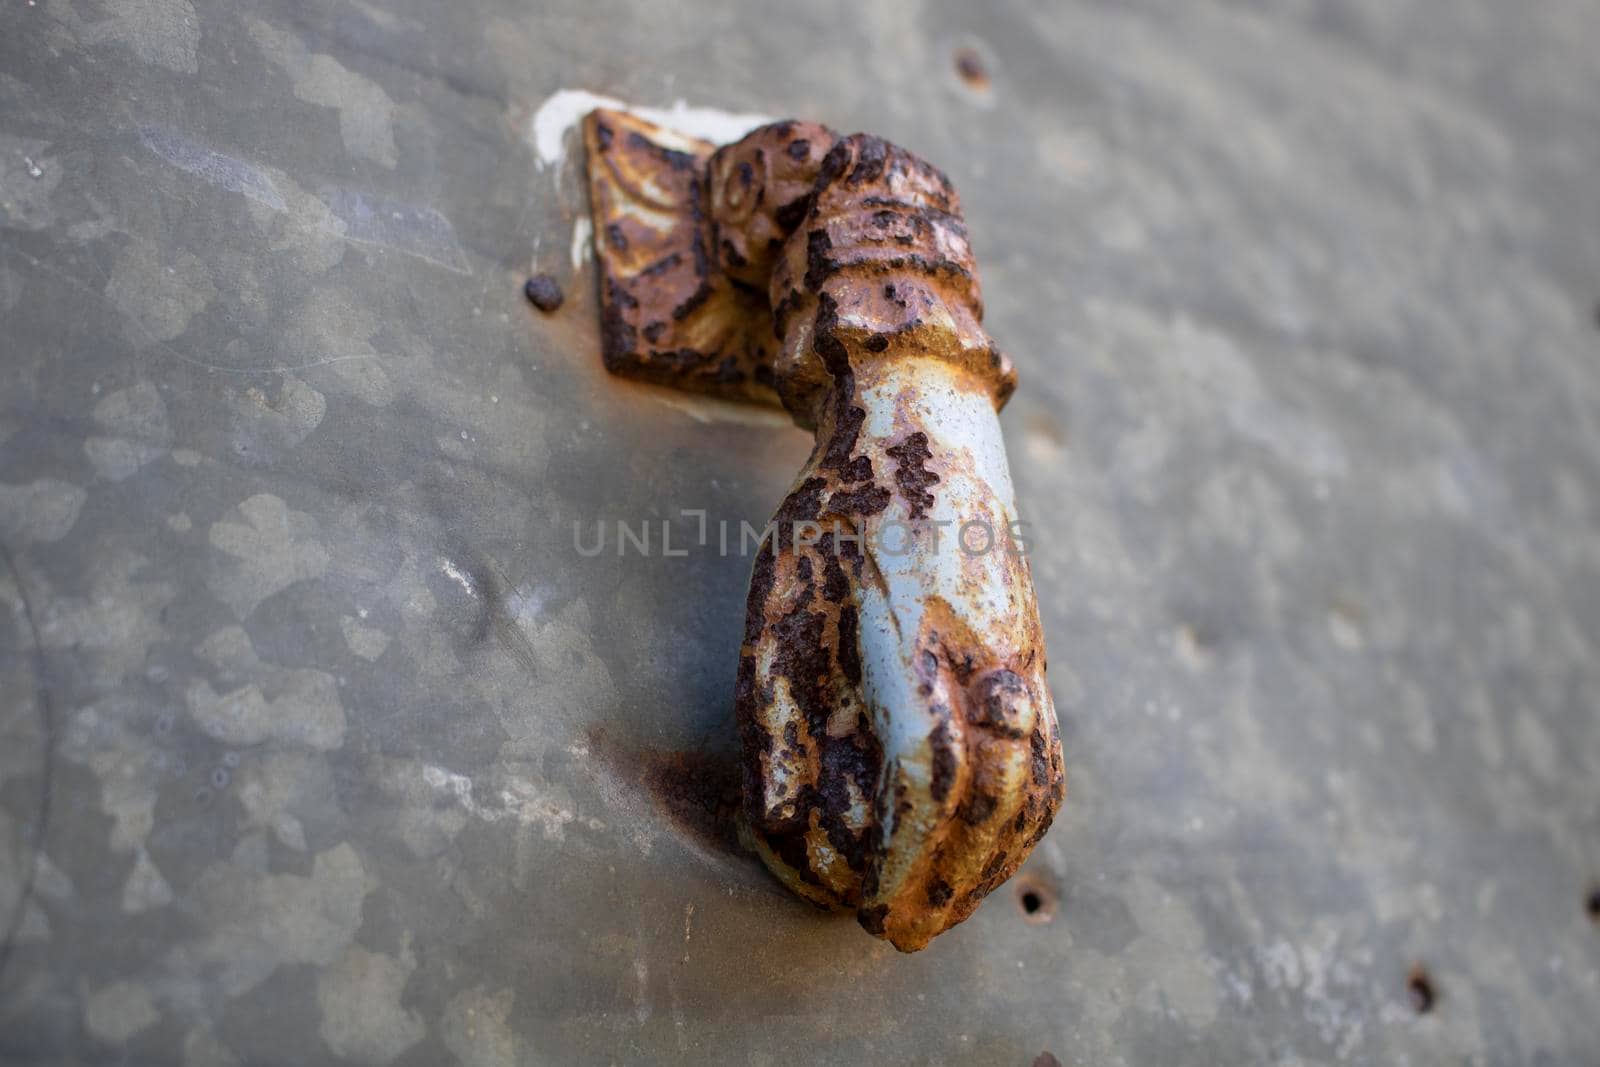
(563, 109)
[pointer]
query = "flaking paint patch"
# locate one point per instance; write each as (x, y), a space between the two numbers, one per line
(163, 32)
(475, 1029)
(24, 198)
(159, 290)
(271, 549)
(366, 113)
(293, 704)
(362, 1017)
(111, 628)
(139, 433)
(123, 762)
(145, 888)
(265, 424)
(255, 922)
(118, 1011)
(582, 242)
(281, 789)
(42, 510)
(563, 109)
(368, 642)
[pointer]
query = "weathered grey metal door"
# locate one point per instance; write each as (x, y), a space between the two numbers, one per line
(323, 742)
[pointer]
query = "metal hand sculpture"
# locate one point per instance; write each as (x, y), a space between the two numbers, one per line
(900, 751)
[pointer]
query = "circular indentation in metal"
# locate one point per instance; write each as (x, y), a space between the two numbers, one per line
(971, 69)
(1420, 989)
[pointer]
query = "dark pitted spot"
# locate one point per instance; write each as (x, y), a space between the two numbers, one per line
(943, 772)
(653, 331)
(835, 583)
(911, 474)
(789, 216)
(802, 505)
(799, 150)
(850, 645)
(618, 339)
(780, 314)
(1420, 989)
(995, 865)
(999, 703)
(603, 135)
(818, 265)
(858, 469)
(680, 161)
(977, 809)
(859, 503)
(543, 292)
(970, 66)
(615, 237)
(939, 893)
(847, 423)
(873, 153)
(877, 343)
(872, 919)
(1040, 758)
(835, 357)
(662, 265)
(833, 165)
(746, 172)
(763, 576)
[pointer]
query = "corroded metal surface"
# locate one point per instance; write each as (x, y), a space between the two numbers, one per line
(900, 749)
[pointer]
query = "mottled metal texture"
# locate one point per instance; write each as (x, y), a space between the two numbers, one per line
(900, 750)
(321, 744)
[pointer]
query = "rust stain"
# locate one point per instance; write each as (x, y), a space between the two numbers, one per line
(696, 789)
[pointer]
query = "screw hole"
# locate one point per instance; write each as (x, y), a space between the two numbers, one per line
(1420, 988)
(1035, 899)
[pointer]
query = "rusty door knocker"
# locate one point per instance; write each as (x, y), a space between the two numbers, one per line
(899, 745)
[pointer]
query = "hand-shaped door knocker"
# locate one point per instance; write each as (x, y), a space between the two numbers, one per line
(899, 745)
